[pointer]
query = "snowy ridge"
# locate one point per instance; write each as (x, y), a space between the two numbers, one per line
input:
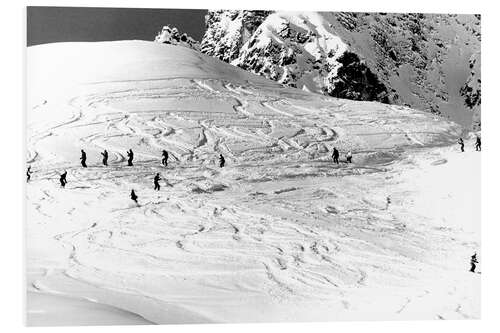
(418, 60)
(279, 234)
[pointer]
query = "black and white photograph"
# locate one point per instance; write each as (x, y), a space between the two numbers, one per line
(204, 166)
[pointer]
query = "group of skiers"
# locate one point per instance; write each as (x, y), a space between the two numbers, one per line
(156, 182)
(105, 155)
(164, 161)
(477, 145)
(222, 161)
(336, 155)
(130, 154)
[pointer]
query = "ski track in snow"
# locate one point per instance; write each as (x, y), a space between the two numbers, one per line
(281, 228)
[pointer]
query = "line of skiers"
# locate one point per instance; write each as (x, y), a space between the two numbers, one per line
(164, 160)
(477, 144)
(130, 154)
(222, 161)
(105, 155)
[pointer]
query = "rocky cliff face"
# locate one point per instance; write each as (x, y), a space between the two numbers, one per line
(228, 30)
(471, 91)
(429, 62)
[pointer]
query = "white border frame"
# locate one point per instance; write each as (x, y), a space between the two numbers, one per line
(13, 41)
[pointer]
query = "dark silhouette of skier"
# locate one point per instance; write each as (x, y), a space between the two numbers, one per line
(156, 181)
(62, 179)
(105, 157)
(83, 158)
(28, 174)
(164, 160)
(335, 155)
(130, 155)
(348, 157)
(222, 161)
(461, 143)
(478, 143)
(473, 262)
(133, 196)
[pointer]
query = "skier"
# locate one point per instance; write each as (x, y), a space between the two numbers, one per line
(461, 143)
(156, 181)
(348, 157)
(164, 160)
(478, 143)
(28, 174)
(130, 155)
(84, 159)
(105, 157)
(473, 262)
(133, 196)
(222, 161)
(335, 155)
(62, 179)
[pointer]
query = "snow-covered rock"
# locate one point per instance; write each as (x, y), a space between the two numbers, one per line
(171, 35)
(418, 60)
(228, 30)
(471, 91)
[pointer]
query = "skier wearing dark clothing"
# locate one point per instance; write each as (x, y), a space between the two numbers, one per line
(478, 143)
(461, 143)
(473, 262)
(222, 161)
(130, 155)
(105, 157)
(335, 155)
(156, 181)
(62, 179)
(133, 196)
(28, 174)
(164, 160)
(83, 158)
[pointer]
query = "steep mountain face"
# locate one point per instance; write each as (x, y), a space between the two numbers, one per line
(228, 30)
(170, 35)
(426, 61)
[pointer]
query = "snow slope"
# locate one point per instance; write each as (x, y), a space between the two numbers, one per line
(279, 234)
(418, 60)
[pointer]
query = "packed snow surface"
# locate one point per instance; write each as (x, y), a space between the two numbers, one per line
(279, 234)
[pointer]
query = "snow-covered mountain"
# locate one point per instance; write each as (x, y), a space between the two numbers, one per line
(171, 35)
(418, 60)
(279, 234)
(228, 30)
